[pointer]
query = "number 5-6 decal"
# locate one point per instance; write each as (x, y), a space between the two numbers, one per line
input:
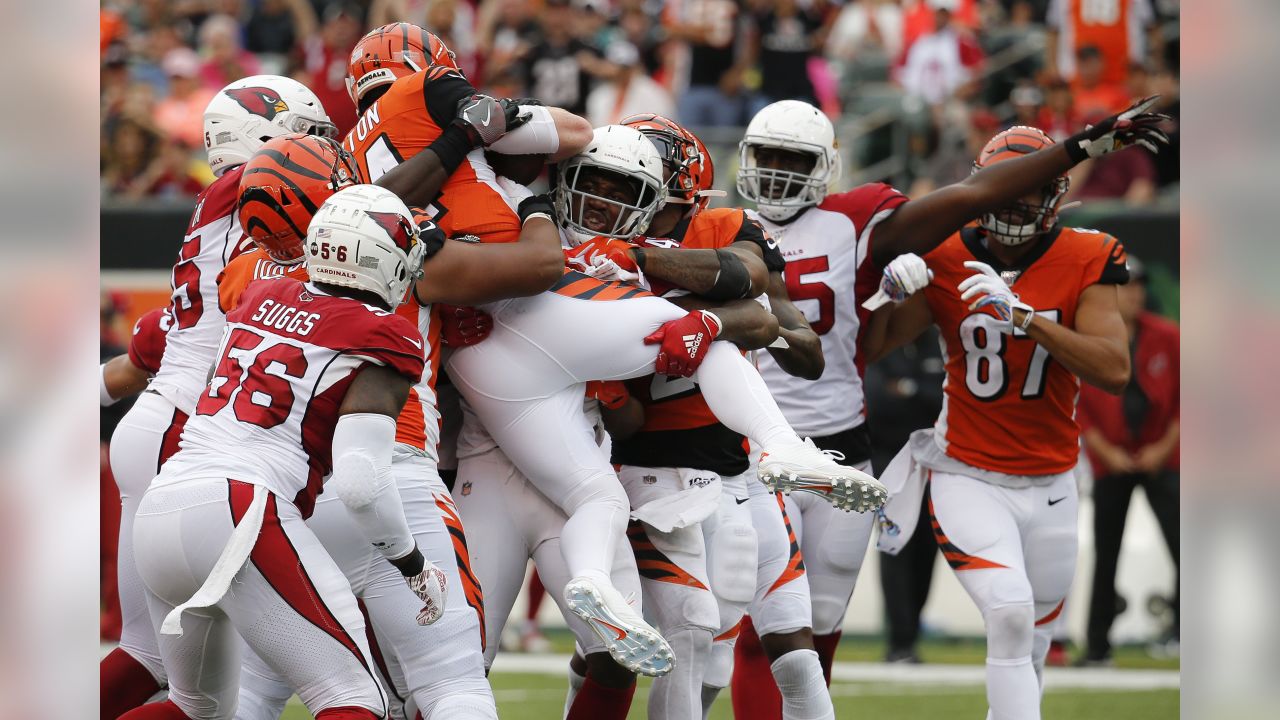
(986, 373)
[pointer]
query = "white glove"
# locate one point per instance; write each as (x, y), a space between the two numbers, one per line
(991, 291)
(903, 277)
(429, 586)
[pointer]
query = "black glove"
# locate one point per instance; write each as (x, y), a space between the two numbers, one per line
(430, 233)
(1134, 126)
(485, 119)
(536, 204)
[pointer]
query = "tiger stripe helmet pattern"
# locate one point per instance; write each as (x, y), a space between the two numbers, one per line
(684, 157)
(1020, 221)
(391, 52)
(283, 186)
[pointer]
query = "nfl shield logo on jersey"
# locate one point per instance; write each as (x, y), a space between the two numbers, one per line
(466, 488)
(1010, 276)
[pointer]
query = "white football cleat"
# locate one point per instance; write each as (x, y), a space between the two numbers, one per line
(632, 642)
(806, 468)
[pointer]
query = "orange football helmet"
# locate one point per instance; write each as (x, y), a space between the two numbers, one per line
(283, 186)
(1021, 221)
(683, 156)
(391, 52)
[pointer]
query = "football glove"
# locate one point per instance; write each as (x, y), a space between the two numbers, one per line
(991, 291)
(902, 278)
(462, 325)
(485, 119)
(684, 343)
(430, 587)
(1134, 126)
(612, 394)
(605, 259)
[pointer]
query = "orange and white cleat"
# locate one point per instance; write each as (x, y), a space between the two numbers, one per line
(806, 468)
(632, 642)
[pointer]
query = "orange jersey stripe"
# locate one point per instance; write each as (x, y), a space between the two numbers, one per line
(470, 585)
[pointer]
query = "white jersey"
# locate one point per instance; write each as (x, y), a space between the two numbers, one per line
(287, 357)
(829, 273)
(214, 238)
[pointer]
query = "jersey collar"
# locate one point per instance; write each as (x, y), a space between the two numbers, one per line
(972, 237)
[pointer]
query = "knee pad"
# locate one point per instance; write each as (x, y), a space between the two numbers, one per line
(1010, 631)
(732, 563)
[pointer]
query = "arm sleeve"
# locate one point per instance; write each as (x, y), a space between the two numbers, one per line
(362, 444)
(440, 95)
(536, 137)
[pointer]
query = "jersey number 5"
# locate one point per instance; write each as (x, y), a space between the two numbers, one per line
(263, 394)
(798, 289)
(986, 373)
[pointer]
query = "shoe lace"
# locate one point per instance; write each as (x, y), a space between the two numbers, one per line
(833, 454)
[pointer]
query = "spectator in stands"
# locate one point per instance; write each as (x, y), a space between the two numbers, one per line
(1028, 106)
(1061, 117)
(628, 91)
(559, 69)
(505, 30)
(1132, 441)
(1093, 94)
(635, 26)
(1121, 31)
(787, 38)
(941, 62)
(274, 29)
(716, 63)
(1132, 178)
(920, 18)
(869, 28)
(180, 116)
(325, 57)
(225, 60)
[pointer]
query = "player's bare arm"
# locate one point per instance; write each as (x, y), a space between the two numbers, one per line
(476, 273)
(728, 273)
(922, 224)
(1097, 350)
(122, 379)
(745, 323)
(803, 355)
(893, 326)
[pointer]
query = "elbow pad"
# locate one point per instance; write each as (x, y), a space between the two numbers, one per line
(733, 282)
(536, 137)
(362, 479)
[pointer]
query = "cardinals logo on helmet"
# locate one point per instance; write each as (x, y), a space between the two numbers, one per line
(259, 100)
(397, 226)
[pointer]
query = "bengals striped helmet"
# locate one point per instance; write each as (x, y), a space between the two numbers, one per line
(1020, 221)
(283, 186)
(684, 158)
(391, 52)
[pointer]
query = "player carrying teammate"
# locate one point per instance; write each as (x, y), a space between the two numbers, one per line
(237, 121)
(307, 382)
(1027, 309)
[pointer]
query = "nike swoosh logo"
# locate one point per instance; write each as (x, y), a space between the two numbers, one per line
(1055, 502)
(621, 633)
(741, 501)
(416, 343)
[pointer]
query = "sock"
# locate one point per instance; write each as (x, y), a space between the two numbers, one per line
(346, 713)
(575, 687)
(804, 694)
(1012, 690)
(740, 400)
(124, 684)
(597, 702)
(709, 695)
(595, 527)
(678, 694)
(826, 647)
(755, 694)
(155, 711)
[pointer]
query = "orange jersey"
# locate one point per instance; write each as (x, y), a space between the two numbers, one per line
(404, 122)
(1114, 27)
(419, 422)
(1009, 407)
(679, 428)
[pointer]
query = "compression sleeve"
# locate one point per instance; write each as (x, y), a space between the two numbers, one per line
(362, 444)
(536, 137)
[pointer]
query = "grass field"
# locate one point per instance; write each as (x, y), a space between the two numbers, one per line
(540, 696)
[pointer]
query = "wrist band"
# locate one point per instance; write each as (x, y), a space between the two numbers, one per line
(1028, 315)
(533, 215)
(104, 395)
(637, 254)
(1075, 147)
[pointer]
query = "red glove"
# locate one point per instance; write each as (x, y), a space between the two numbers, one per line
(462, 325)
(612, 394)
(685, 343)
(618, 251)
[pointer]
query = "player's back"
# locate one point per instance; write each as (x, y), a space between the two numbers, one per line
(404, 122)
(829, 273)
(1009, 407)
(213, 239)
(288, 356)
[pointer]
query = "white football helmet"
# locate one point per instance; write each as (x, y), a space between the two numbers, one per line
(798, 127)
(626, 154)
(251, 111)
(364, 237)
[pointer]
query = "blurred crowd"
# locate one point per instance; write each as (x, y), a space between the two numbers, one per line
(925, 82)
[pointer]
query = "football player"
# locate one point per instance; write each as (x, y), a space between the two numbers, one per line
(838, 248)
(127, 374)
(237, 121)
(1027, 309)
(308, 380)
